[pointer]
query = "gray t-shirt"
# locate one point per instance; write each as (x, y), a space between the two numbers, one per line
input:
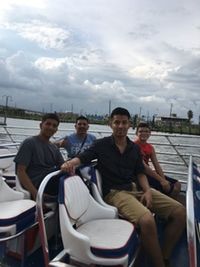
(39, 157)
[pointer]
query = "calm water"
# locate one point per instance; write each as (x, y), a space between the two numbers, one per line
(29, 128)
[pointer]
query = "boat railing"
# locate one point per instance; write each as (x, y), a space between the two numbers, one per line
(191, 231)
(173, 150)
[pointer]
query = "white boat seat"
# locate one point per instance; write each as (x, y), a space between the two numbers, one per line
(7, 166)
(16, 213)
(5, 163)
(111, 242)
(91, 233)
(93, 179)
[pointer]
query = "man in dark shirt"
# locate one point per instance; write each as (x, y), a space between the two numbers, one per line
(38, 156)
(117, 169)
(126, 187)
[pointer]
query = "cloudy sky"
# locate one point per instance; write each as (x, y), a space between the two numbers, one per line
(77, 55)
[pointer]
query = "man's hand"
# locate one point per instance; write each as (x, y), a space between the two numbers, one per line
(69, 167)
(165, 185)
(146, 199)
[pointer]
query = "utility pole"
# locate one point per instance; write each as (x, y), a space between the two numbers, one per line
(6, 106)
(140, 113)
(171, 107)
(109, 108)
(51, 107)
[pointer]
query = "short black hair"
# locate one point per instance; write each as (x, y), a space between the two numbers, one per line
(53, 116)
(120, 111)
(82, 118)
(143, 124)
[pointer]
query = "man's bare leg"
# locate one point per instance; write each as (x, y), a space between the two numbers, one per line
(149, 239)
(173, 230)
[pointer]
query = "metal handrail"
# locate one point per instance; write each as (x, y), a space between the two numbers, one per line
(40, 215)
(6, 156)
(10, 237)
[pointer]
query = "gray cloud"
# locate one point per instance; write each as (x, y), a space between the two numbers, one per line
(140, 54)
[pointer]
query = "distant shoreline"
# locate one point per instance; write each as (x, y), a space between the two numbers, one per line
(185, 129)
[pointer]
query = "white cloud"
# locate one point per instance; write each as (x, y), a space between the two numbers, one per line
(44, 34)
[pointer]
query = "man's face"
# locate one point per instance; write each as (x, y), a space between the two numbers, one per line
(120, 125)
(49, 127)
(81, 127)
(143, 133)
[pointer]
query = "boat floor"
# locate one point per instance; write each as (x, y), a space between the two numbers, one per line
(33, 260)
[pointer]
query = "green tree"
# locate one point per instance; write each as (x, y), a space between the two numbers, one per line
(190, 115)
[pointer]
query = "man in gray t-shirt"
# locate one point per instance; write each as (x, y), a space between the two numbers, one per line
(37, 157)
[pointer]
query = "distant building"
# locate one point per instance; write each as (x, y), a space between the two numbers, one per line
(170, 120)
(32, 112)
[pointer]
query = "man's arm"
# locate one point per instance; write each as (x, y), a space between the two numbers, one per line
(70, 165)
(26, 181)
(146, 198)
(156, 164)
(61, 143)
(143, 182)
(158, 173)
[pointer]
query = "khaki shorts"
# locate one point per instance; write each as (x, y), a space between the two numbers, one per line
(129, 205)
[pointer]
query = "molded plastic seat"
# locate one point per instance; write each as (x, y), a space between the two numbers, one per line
(7, 166)
(6, 162)
(91, 233)
(93, 178)
(16, 213)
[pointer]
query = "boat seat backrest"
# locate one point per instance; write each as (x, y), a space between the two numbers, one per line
(92, 178)
(5, 162)
(80, 205)
(76, 197)
(7, 193)
(19, 188)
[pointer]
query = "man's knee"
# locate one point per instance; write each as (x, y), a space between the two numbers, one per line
(177, 187)
(147, 221)
(179, 214)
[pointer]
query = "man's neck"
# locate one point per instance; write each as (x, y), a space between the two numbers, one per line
(44, 138)
(81, 135)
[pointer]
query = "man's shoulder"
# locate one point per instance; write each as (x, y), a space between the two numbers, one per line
(71, 137)
(149, 145)
(91, 136)
(133, 144)
(104, 140)
(29, 140)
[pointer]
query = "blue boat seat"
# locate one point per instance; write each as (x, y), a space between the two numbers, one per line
(91, 233)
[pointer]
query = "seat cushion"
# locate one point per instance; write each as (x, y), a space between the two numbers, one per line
(20, 213)
(110, 238)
